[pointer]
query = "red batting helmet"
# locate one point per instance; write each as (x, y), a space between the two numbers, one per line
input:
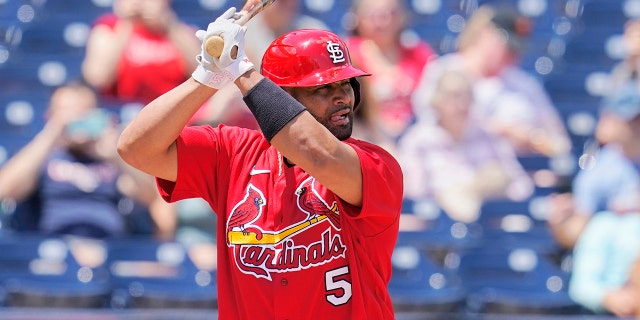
(307, 58)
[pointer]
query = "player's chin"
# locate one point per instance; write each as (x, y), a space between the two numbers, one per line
(341, 129)
(342, 132)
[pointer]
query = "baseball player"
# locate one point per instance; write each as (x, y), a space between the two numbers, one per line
(308, 216)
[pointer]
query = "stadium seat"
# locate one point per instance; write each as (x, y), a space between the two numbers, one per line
(331, 12)
(428, 227)
(21, 117)
(8, 10)
(514, 281)
(41, 271)
(602, 13)
(420, 284)
(507, 224)
(61, 35)
(88, 9)
(147, 273)
(40, 71)
(204, 11)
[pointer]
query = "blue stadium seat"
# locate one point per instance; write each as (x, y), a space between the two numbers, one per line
(598, 20)
(21, 117)
(602, 13)
(534, 162)
(204, 9)
(331, 12)
(420, 284)
(8, 10)
(10, 36)
(89, 9)
(147, 273)
(516, 281)
(430, 228)
(41, 271)
(61, 35)
(588, 46)
(199, 13)
(38, 71)
(507, 224)
(567, 89)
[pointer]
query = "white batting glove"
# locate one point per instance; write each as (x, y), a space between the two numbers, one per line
(210, 76)
(217, 72)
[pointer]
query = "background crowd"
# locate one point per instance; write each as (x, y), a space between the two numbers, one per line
(522, 185)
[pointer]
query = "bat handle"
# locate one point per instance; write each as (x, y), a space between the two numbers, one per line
(214, 46)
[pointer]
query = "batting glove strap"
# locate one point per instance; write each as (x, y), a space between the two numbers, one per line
(210, 78)
(239, 67)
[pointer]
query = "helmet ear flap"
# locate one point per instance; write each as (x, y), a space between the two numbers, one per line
(356, 92)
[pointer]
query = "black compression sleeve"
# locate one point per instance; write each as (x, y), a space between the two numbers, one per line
(272, 107)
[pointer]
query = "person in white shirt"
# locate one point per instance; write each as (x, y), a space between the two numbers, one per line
(508, 101)
(455, 163)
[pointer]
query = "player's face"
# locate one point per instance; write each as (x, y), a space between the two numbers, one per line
(331, 104)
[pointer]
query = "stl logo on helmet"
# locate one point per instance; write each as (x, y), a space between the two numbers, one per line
(335, 53)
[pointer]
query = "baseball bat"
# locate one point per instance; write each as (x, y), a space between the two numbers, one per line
(214, 44)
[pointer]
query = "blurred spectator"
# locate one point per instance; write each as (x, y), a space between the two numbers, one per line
(628, 69)
(603, 259)
(75, 173)
(610, 180)
(623, 73)
(279, 18)
(634, 282)
(282, 16)
(509, 101)
(396, 64)
(139, 51)
(196, 222)
(455, 162)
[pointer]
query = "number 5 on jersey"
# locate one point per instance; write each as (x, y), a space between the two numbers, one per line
(333, 282)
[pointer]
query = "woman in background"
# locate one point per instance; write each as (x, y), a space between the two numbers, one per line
(377, 46)
(139, 51)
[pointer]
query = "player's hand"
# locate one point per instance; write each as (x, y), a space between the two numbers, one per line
(621, 301)
(233, 61)
(233, 35)
(561, 207)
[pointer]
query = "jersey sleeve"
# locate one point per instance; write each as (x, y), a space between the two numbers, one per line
(207, 161)
(382, 183)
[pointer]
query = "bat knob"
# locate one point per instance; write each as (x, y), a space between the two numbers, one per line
(214, 46)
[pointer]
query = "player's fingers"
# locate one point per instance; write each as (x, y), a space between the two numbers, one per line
(229, 14)
(201, 34)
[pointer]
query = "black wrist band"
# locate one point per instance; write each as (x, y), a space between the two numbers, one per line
(272, 107)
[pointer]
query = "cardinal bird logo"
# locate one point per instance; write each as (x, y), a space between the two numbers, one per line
(312, 204)
(259, 248)
(246, 212)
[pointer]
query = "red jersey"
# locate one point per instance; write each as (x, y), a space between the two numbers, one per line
(289, 248)
(150, 65)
